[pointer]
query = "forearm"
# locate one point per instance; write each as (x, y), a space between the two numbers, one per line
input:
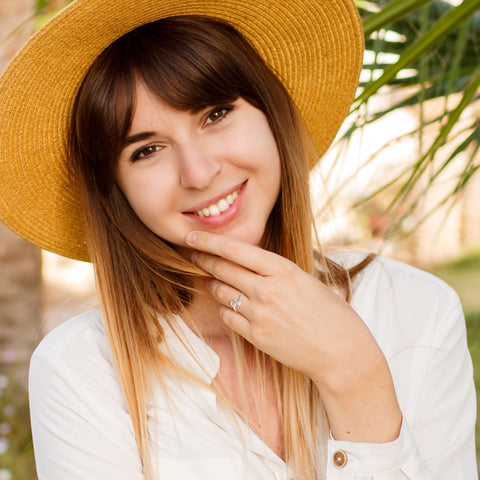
(359, 396)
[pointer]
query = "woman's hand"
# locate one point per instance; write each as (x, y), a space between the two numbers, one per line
(284, 311)
(293, 317)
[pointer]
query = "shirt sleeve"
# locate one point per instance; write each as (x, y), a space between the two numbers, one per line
(397, 460)
(80, 425)
(437, 442)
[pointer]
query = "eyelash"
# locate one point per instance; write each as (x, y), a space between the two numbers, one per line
(152, 149)
(141, 153)
(224, 110)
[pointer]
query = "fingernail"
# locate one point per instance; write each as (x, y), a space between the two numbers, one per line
(194, 257)
(191, 237)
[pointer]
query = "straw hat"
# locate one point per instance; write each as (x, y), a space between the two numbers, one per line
(315, 47)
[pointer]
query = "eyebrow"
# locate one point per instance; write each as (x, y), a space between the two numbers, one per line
(138, 137)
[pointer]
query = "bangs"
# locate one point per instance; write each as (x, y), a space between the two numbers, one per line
(187, 63)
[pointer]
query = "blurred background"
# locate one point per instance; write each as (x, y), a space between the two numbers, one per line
(401, 179)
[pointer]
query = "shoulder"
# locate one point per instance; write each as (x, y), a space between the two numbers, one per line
(396, 299)
(385, 276)
(403, 280)
(77, 408)
(82, 336)
(385, 267)
(404, 285)
(75, 355)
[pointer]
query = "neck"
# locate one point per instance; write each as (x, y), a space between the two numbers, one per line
(202, 316)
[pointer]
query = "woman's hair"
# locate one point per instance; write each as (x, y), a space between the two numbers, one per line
(190, 63)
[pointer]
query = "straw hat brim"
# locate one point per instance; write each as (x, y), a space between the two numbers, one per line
(314, 46)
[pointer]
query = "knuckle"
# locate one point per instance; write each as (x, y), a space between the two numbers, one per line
(287, 269)
(259, 334)
(217, 267)
(266, 293)
(225, 315)
(221, 291)
(231, 248)
(258, 316)
(265, 296)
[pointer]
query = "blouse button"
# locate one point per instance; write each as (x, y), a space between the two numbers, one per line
(340, 458)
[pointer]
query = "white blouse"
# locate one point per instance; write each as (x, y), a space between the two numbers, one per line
(82, 430)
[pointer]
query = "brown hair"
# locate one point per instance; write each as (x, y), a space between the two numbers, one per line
(190, 63)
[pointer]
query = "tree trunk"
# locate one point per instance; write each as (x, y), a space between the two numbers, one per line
(20, 262)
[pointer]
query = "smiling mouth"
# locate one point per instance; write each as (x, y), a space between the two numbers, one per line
(219, 207)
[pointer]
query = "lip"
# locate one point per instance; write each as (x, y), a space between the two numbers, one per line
(224, 217)
(215, 199)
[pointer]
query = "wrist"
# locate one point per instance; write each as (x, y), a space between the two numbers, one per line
(360, 401)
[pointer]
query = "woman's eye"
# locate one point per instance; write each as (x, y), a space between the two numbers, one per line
(146, 152)
(217, 115)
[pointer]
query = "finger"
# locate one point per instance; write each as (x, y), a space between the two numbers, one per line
(229, 273)
(229, 297)
(249, 256)
(236, 322)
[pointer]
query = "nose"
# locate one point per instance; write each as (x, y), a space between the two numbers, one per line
(198, 166)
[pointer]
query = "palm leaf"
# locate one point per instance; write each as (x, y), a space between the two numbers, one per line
(449, 21)
(435, 51)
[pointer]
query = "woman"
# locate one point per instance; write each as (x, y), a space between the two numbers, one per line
(226, 348)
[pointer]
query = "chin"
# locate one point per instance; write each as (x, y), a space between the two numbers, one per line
(252, 238)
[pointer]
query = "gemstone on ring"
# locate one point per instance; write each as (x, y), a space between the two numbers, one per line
(234, 304)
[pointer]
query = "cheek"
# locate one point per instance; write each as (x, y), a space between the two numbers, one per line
(268, 152)
(273, 172)
(140, 202)
(146, 195)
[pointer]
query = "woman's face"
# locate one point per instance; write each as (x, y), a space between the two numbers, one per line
(216, 170)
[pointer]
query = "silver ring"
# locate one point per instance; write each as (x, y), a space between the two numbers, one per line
(234, 304)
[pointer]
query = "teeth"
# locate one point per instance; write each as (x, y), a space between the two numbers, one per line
(217, 208)
(223, 205)
(214, 210)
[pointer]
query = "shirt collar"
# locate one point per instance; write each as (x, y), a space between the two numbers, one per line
(187, 349)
